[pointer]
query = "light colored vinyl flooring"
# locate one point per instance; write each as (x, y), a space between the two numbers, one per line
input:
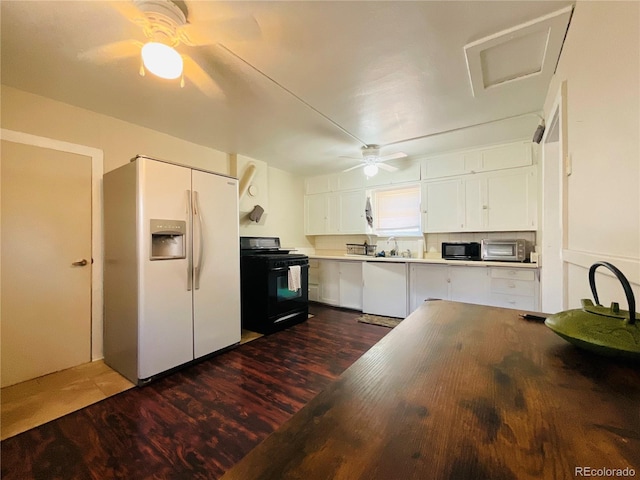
(35, 402)
(38, 401)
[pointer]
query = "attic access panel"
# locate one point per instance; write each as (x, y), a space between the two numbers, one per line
(526, 52)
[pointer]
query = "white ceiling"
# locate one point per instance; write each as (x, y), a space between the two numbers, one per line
(297, 84)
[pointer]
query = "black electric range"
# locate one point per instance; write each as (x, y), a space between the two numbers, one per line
(274, 285)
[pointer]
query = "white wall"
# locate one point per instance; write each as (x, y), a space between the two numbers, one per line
(600, 62)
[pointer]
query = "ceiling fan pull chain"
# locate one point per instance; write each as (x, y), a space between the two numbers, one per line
(182, 80)
(141, 68)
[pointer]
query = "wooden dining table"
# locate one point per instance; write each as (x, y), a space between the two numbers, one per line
(460, 391)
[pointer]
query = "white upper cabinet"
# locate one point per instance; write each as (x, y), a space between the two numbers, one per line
(451, 164)
(350, 180)
(315, 214)
(321, 213)
(335, 213)
(485, 159)
(320, 184)
(352, 212)
(335, 182)
(474, 194)
(443, 206)
(503, 200)
(505, 156)
(511, 200)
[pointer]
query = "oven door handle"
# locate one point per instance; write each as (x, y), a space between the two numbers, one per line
(282, 269)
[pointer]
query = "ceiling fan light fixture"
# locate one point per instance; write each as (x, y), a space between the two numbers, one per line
(162, 60)
(370, 169)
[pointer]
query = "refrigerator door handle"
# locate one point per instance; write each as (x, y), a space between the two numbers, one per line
(197, 213)
(189, 246)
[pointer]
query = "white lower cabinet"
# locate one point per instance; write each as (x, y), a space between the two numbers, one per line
(469, 284)
(350, 285)
(427, 282)
(497, 286)
(397, 289)
(384, 289)
(329, 282)
(448, 282)
(514, 288)
(338, 283)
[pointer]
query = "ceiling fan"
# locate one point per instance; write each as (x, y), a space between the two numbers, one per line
(372, 161)
(166, 27)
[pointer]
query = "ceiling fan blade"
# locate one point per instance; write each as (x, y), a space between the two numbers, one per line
(353, 168)
(112, 52)
(393, 156)
(351, 158)
(200, 78)
(386, 167)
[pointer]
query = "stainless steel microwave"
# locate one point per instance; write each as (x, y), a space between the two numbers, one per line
(506, 250)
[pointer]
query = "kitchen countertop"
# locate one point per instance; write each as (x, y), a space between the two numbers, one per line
(441, 261)
(462, 391)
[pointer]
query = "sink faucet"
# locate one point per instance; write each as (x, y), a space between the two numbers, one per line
(394, 251)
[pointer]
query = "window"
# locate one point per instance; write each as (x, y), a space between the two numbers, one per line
(396, 211)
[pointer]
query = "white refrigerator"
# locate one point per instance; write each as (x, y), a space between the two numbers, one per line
(172, 266)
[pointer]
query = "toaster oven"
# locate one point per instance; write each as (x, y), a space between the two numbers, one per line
(506, 250)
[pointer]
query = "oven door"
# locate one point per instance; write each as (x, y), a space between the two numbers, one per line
(282, 300)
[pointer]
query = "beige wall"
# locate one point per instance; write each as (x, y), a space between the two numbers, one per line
(284, 216)
(600, 64)
(119, 140)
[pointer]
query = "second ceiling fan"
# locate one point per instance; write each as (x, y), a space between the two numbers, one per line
(372, 161)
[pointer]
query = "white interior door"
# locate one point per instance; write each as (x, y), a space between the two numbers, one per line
(46, 228)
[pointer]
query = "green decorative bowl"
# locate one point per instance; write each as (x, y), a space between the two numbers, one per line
(605, 331)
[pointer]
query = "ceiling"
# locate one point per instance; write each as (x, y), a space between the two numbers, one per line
(302, 84)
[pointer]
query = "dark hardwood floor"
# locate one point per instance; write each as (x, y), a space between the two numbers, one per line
(200, 421)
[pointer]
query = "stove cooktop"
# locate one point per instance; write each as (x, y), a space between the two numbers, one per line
(263, 246)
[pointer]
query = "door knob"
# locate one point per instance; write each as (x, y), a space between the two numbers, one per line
(80, 263)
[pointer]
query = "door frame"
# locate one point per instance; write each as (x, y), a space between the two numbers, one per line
(97, 158)
(559, 109)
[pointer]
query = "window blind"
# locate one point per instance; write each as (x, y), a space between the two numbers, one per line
(398, 210)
